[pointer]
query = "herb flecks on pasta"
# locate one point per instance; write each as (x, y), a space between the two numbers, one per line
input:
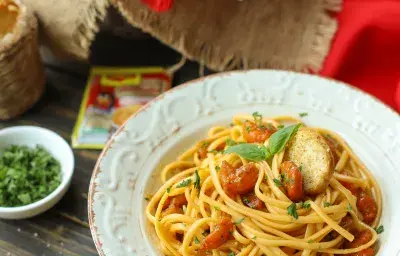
(267, 186)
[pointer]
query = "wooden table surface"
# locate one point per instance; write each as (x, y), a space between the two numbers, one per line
(64, 229)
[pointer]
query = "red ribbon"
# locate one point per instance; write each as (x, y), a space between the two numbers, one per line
(158, 5)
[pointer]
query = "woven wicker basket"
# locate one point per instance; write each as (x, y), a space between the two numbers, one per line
(21, 70)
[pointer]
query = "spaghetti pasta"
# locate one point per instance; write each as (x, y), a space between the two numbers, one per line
(237, 192)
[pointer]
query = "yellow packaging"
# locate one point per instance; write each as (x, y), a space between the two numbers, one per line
(111, 96)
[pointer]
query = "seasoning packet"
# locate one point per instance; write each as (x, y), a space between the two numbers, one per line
(112, 95)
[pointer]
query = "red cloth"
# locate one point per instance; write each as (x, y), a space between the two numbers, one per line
(366, 49)
(158, 5)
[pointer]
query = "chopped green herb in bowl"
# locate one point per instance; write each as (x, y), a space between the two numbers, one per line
(32, 178)
(27, 175)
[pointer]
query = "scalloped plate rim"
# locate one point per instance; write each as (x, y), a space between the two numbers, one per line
(96, 171)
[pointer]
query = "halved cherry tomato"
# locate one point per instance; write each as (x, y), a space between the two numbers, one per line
(289, 251)
(238, 181)
(174, 205)
(252, 201)
(355, 190)
(362, 238)
(347, 222)
(220, 147)
(177, 201)
(367, 206)
(202, 152)
(365, 252)
(365, 203)
(218, 237)
(292, 180)
(297, 232)
(257, 133)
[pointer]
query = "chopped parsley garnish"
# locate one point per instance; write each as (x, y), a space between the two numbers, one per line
(349, 208)
(27, 175)
(246, 200)
(248, 128)
(301, 168)
(216, 208)
(292, 211)
(305, 205)
(205, 144)
(184, 183)
(254, 238)
(169, 189)
(147, 198)
(230, 142)
(214, 151)
(287, 180)
(231, 254)
(379, 229)
(257, 118)
(231, 124)
(197, 180)
(239, 221)
(327, 204)
(278, 182)
(303, 114)
(281, 126)
(196, 240)
(217, 168)
(309, 241)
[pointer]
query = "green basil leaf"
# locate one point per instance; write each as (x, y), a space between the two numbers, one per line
(252, 152)
(278, 140)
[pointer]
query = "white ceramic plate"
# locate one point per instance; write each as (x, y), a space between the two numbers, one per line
(127, 168)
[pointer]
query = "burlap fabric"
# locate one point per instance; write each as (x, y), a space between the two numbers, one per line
(68, 27)
(222, 34)
(21, 71)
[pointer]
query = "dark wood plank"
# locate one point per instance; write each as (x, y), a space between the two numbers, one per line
(62, 230)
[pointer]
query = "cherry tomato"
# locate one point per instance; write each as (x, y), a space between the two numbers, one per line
(178, 201)
(257, 133)
(365, 252)
(171, 210)
(347, 222)
(367, 206)
(361, 238)
(174, 205)
(220, 147)
(352, 188)
(292, 180)
(239, 181)
(289, 251)
(252, 201)
(218, 237)
(202, 152)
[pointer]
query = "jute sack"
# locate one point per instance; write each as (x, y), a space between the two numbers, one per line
(221, 34)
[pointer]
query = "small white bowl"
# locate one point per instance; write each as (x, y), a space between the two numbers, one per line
(31, 136)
